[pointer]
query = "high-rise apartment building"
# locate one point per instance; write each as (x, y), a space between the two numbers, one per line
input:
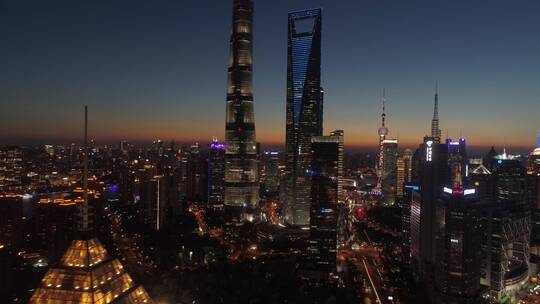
(304, 109)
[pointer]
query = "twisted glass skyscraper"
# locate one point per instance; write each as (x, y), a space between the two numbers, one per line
(304, 109)
(241, 174)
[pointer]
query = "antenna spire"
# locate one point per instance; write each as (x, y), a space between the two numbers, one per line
(84, 208)
(383, 115)
(436, 107)
(435, 130)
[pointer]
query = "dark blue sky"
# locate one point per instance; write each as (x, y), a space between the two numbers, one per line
(157, 69)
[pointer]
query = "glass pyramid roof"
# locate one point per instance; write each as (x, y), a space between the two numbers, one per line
(88, 275)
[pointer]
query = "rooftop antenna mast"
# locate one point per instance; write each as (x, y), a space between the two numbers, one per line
(84, 210)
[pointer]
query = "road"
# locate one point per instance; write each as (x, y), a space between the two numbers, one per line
(368, 261)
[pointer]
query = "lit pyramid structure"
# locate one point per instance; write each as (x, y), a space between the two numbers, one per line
(86, 273)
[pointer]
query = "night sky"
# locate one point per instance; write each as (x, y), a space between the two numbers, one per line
(157, 69)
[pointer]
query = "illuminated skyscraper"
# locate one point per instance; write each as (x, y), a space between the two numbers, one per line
(271, 171)
(326, 174)
(389, 173)
(241, 169)
(435, 130)
(155, 200)
(400, 176)
(458, 246)
(508, 232)
(433, 173)
(457, 158)
(408, 162)
(304, 109)
(86, 273)
(216, 174)
(403, 171)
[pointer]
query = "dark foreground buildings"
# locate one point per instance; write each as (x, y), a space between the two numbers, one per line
(458, 257)
(326, 174)
(469, 229)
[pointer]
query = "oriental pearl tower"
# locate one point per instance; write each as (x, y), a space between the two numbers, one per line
(383, 131)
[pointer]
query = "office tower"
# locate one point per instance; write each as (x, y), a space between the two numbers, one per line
(11, 170)
(481, 178)
(383, 131)
(216, 174)
(196, 186)
(86, 273)
(410, 223)
(326, 176)
(457, 158)
(508, 229)
(489, 160)
(458, 246)
(534, 159)
(271, 172)
(408, 163)
(389, 172)
(433, 174)
(154, 201)
(400, 177)
(304, 109)
(435, 130)
(241, 168)
(534, 178)
(182, 173)
(126, 176)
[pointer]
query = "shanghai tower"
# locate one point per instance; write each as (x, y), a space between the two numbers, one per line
(304, 109)
(241, 168)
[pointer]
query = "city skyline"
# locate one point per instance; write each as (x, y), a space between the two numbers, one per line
(252, 151)
(129, 68)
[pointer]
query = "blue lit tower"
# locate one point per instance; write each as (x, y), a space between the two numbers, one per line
(304, 108)
(241, 168)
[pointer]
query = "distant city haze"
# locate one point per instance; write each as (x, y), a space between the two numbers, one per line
(158, 69)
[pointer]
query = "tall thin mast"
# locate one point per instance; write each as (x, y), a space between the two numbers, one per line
(435, 130)
(85, 225)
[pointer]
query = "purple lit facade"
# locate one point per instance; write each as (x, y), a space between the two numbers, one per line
(216, 174)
